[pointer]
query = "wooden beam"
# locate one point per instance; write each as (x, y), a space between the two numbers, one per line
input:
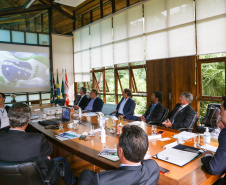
(101, 9)
(17, 10)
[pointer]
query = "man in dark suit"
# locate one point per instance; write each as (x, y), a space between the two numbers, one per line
(216, 164)
(132, 147)
(18, 145)
(83, 100)
(126, 106)
(95, 103)
(156, 110)
(182, 114)
(4, 120)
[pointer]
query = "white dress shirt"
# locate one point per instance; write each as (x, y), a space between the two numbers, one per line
(4, 117)
(120, 110)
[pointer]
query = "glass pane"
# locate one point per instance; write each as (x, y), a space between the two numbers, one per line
(46, 96)
(46, 102)
(139, 63)
(140, 78)
(18, 36)
(99, 78)
(124, 77)
(110, 99)
(213, 79)
(80, 84)
(21, 98)
(141, 103)
(5, 35)
(8, 99)
(212, 55)
(43, 39)
(31, 38)
(110, 80)
(34, 97)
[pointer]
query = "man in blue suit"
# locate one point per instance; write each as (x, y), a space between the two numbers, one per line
(126, 106)
(216, 164)
(95, 104)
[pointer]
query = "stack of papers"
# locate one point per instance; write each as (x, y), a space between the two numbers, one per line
(67, 135)
(110, 154)
(171, 145)
(87, 114)
(185, 135)
(209, 147)
(177, 157)
(134, 123)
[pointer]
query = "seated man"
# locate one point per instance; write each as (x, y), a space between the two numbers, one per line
(126, 106)
(182, 114)
(132, 147)
(216, 164)
(95, 103)
(156, 110)
(18, 145)
(83, 100)
(4, 120)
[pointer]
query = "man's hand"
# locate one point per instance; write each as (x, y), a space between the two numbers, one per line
(121, 116)
(76, 107)
(207, 152)
(142, 118)
(220, 124)
(49, 157)
(167, 123)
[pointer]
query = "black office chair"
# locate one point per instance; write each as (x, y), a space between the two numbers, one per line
(210, 119)
(60, 102)
(159, 123)
(28, 173)
(194, 121)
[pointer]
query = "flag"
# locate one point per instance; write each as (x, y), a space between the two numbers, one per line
(58, 87)
(53, 90)
(66, 91)
(62, 85)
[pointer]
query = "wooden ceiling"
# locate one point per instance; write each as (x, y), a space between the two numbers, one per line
(65, 19)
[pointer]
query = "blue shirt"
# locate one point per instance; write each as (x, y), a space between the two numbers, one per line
(89, 107)
(152, 108)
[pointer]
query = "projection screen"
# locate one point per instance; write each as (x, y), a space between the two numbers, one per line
(24, 68)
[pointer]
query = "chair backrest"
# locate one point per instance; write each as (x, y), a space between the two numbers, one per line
(193, 120)
(165, 114)
(108, 108)
(212, 115)
(60, 102)
(26, 173)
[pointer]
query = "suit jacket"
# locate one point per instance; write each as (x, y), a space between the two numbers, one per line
(156, 114)
(97, 104)
(128, 108)
(83, 103)
(183, 118)
(217, 164)
(145, 174)
(21, 146)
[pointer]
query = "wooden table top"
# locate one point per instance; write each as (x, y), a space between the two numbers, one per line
(192, 173)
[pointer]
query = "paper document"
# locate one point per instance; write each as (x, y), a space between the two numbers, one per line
(177, 157)
(171, 145)
(164, 139)
(110, 154)
(209, 147)
(185, 135)
(67, 135)
(134, 123)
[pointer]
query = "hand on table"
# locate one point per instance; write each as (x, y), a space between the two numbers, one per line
(142, 118)
(167, 123)
(207, 152)
(76, 107)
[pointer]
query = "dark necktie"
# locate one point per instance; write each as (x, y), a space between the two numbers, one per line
(175, 115)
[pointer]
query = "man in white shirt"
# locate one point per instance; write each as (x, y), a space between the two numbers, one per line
(126, 106)
(4, 120)
(83, 100)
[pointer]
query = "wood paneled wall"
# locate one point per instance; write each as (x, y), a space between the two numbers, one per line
(172, 77)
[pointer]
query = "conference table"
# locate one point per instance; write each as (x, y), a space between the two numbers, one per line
(192, 173)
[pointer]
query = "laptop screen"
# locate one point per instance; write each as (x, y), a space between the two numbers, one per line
(66, 113)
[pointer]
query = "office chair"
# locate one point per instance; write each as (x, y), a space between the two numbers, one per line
(28, 173)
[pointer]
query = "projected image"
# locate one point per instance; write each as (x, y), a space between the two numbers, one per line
(24, 70)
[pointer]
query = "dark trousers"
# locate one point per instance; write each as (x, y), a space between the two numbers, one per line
(86, 177)
(69, 178)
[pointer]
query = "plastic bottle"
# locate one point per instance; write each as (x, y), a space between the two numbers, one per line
(80, 112)
(119, 128)
(207, 136)
(103, 135)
